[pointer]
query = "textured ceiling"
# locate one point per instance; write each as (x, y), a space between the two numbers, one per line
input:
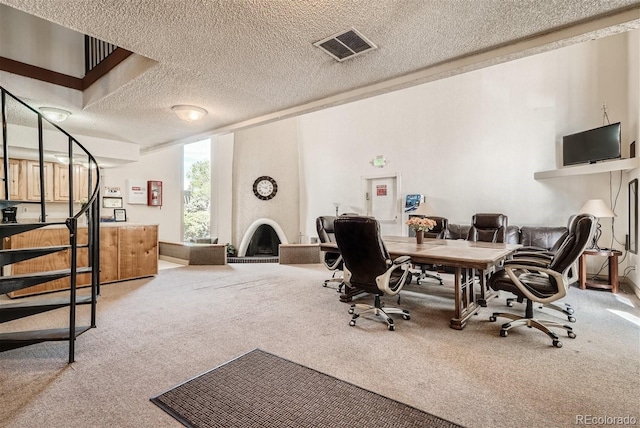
(250, 61)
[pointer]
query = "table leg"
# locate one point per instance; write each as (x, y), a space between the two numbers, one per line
(582, 271)
(613, 273)
(466, 304)
(486, 292)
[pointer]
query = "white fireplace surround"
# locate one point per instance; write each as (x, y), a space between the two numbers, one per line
(246, 239)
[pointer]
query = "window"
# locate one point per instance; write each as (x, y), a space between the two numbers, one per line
(197, 190)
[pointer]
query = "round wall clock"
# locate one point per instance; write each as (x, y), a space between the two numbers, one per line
(265, 188)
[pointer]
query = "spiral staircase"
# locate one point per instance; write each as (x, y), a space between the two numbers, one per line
(27, 133)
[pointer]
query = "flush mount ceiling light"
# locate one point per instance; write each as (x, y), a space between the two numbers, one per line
(55, 114)
(189, 113)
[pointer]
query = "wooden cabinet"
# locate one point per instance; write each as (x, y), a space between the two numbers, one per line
(137, 251)
(61, 182)
(126, 252)
(55, 261)
(17, 182)
(33, 180)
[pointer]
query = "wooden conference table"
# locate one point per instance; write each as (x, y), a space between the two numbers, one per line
(464, 256)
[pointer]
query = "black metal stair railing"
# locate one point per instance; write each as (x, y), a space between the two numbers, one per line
(90, 209)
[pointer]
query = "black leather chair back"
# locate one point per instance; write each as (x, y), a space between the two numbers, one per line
(324, 227)
(363, 252)
(439, 231)
(580, 233)
(488, 228)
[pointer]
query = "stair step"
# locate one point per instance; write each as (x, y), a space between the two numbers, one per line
(9, 229)
(14, 311)
(16, 255)
(18, 282)
(25, 338)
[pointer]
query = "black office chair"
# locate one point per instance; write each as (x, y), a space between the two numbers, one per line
(488, 228)
(368, 266)
(543, 282)
(536, 248)
(333, 261)
(439, 231)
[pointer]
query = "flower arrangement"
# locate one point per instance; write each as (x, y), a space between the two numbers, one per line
(424, 224)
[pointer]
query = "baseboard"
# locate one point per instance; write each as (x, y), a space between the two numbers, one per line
(174, 260)
(633, 287)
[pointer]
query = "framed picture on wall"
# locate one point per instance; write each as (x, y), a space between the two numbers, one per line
(110, 202)
(633, 216)
(120, 214)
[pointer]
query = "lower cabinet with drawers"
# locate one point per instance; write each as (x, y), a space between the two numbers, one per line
(127, 251)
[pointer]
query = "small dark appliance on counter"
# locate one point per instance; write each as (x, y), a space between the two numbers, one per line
(9, 215)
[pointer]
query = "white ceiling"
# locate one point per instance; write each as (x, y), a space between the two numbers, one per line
(251, 61)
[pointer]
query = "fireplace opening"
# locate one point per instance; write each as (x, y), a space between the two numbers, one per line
(264, 242)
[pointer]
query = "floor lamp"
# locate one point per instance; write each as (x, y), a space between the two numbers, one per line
(598, 209)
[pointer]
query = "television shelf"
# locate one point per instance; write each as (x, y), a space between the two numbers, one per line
(616, 165)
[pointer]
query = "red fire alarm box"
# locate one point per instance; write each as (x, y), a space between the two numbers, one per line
(154, 193)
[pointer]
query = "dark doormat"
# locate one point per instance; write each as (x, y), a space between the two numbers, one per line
(259, 389)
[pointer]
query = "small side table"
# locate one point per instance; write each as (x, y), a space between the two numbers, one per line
(612, 282)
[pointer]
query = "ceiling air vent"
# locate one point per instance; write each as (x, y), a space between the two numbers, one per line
(344, 45)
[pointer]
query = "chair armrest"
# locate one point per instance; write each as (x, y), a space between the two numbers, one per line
(514, 270)
(383, 281)
(401, 259)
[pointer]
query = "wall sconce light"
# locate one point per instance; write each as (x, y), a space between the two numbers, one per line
(189, 113)
(55, 114)
(378, 162)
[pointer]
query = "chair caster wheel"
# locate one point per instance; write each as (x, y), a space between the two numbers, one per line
(504, 333)
(406, 317)
(352, 323)
(569, 311)
(492, 319)
(557, 344)
(571, 335)
(571, 319)
(324, 284)
(351, 310)
(392, 327)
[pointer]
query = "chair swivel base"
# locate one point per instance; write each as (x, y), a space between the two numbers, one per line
(567, 309)
(541, 325)
(377, 310)
(332, 279)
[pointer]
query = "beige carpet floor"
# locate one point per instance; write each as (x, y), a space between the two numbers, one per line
(158, 332)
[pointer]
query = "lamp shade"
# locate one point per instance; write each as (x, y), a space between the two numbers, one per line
(189, 113)
(55, 114)
(597, 208)
(424, 209)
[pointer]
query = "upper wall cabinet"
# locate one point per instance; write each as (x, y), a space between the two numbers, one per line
(17, 183)
(33, 180)
(61, 182)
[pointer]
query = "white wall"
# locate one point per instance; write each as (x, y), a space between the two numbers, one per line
(634, 126)
(165, 166)
(270, 150)
(472, 142)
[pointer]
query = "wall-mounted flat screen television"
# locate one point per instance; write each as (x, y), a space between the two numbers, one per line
(592, 146)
